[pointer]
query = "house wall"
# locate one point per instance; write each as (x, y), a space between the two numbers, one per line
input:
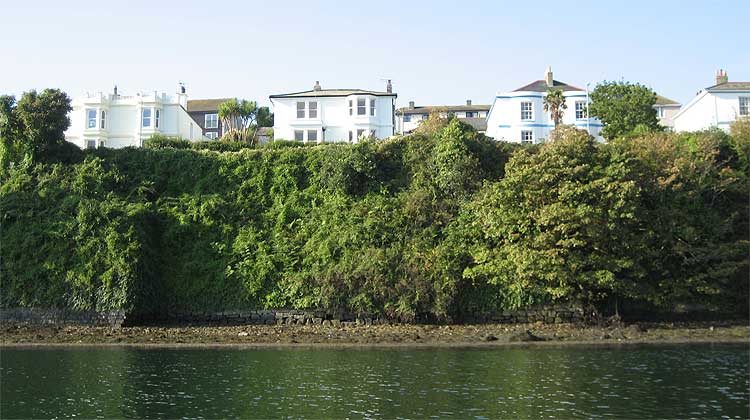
(668, 113)
(408, 126)
(504, 121)
(200, 118)
(123, 125)
(333, 114)
(709, 109)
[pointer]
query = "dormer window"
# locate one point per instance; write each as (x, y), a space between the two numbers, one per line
(90, 118)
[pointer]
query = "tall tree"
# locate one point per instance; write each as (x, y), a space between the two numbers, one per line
(242, 118)
(623, 106)
(554, 103)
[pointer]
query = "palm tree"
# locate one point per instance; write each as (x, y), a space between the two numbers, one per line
(554, 103)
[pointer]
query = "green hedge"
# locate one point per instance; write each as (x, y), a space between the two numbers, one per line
(412, 227)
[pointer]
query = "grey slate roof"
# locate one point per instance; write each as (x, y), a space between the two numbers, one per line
(661, 100)
(479, 124)
(203, 105)
(330, 93)
(541, 86)
(729, 86)
(445, 108)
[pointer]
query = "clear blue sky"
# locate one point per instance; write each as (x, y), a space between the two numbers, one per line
(436, 52)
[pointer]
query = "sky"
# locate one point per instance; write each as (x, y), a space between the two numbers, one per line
(436, 52)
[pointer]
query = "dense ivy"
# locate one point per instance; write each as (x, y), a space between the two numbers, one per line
(423, 226)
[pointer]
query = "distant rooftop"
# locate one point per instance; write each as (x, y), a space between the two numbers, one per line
(541, 86)
(661, 100)
(439, 108)
(729, 86)
(200, 105)
(323, 93)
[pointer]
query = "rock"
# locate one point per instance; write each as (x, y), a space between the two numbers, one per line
(526, 336)
(490, 338)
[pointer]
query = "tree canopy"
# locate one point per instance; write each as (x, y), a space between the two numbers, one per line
(554, 103)
(623, 106)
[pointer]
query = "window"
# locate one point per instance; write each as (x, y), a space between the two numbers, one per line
(372, 107)
(312, 135)
(211, 121)
(102, 144)
(146, 117)
(580, 110)
(744, 105)
(425, 116)
(527, 113)
(527, 136)
(351, 109)
(312, 110)
(470, 114)
(299, 135)
(360, 133)
(90, 118)
(300, 110)
(91, 144)
(361, 106)
(351, 136)
(103, 120)
(407, 118)
(213, 135)
(660, 112)
(191, 130)
(157, 114)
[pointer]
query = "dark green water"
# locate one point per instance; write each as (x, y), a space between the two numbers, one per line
(706, 381)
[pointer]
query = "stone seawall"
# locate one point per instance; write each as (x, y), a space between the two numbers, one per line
(54, 317)
(60, 317)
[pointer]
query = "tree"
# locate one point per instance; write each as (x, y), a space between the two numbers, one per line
(623, 106)
(554, 103)
(35, 125)
(264, 117)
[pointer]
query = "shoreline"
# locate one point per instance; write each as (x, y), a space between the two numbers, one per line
(381, 336)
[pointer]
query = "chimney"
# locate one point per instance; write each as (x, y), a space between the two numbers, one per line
(721, 76)
(548, 77)
(389, 87)
(182, 88)
(317, 85)
(468, 102)
(411, 104)
(115, 93)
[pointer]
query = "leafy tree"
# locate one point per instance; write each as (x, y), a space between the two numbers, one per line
(435, 122)
(623, 106)
(240, 119)
(264, 117)
(554, 103)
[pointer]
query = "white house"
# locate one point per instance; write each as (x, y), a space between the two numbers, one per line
(666, 109)
(715, 106)
(333, 115)
(114, 120)
(408, 118)
(519, 116)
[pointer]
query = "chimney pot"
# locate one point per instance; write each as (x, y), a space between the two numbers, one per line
(115, 93)
(389, 87)
(548, 77)
(411, 104)
(317, 85)
(721, 76)
(468, 102)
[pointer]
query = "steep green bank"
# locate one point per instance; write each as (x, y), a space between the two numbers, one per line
(414, 227)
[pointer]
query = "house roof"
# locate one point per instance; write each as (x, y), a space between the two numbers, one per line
(479, 124)
(729, 86)
(445, 108)
(541, 86)
(661, 100)
(330, 93)
(199, 105)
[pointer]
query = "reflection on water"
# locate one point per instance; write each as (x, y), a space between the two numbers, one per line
(572, 382)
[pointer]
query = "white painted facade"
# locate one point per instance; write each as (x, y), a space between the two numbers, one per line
(117, 121)
(510, 120)
(409, 118)
(333, 115)
(665, 113)
(713, 108)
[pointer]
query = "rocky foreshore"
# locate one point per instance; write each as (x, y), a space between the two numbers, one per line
(383, 335)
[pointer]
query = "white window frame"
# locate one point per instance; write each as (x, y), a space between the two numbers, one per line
(582, 110)
(407, 118)
(103, 119)
(360, 132)
(90, 122)
(300, 110)
(157, 117)
(312, 108)
(372, 107)
(313, 132)
(524, 139)
(361, 109)
(213, 135)
(301, 133)
(351, 107)
(527, 114)
(469, 114)
(351, 136)
(744, 106)
(145, 118)
(211, 121)
(90, 144)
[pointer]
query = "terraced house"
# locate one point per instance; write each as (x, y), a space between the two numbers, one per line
(206, 113)
(334, 115)
(518, 116)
